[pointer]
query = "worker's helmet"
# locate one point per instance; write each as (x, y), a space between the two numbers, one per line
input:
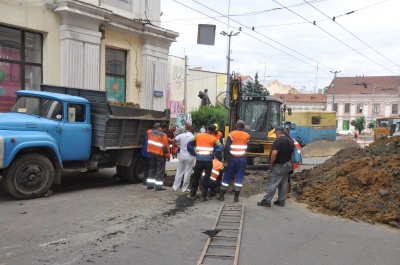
(216, 126)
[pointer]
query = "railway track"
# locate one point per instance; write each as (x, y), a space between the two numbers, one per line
(224, 247)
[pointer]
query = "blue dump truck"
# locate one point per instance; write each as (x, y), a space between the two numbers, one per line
(68, 128)
(307, 126)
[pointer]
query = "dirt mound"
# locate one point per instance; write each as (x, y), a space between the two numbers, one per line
(355, 183)
(327, 148)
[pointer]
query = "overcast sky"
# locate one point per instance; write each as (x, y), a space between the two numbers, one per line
(285, 45)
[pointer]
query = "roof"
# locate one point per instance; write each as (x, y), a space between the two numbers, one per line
(365, 85)
(314, 98)
(51, 95)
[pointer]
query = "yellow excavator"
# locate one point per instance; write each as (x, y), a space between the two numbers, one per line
(261, 115)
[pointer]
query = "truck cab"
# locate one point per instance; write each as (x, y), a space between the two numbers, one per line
(41, 131)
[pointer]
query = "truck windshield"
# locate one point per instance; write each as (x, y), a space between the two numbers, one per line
(46, 108)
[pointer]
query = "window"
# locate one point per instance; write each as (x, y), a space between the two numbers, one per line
(20, 63)
(359, 108)
(346, 107)
(335, 106)
(376, 108)
(76, 113)
(115, 74)
(315, 120)
(395, 108)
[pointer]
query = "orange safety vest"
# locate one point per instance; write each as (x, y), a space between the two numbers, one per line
(239, 142)
(296, 165)
(205, 144)
(217, 167)
(217, 134)
(158, 143)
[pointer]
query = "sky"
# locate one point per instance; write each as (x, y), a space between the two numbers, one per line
(295, 42)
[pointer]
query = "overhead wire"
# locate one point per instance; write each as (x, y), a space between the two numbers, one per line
(353, 34)
(313, 23)
(262, 40)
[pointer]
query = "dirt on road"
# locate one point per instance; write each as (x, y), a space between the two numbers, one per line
(355, 183)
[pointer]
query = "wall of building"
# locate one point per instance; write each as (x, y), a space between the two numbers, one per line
(76, 35)
(35, 16)
(367, 101)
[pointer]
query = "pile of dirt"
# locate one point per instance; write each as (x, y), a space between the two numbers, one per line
(355, 183)
(327, 148)
(124, 104)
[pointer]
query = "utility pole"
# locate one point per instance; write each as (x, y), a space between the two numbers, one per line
(334, 88)
(185, 86)
(228, 75)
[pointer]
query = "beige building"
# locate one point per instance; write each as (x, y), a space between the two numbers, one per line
(370, 96)
(112, 45)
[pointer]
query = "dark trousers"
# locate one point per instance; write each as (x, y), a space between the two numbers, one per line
(201, 166)
(156, 170)
(146, 169)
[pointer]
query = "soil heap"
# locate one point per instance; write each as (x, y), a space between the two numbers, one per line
(355, 183)
(329, 148)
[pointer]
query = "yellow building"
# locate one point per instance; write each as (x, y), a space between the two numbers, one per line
(112, 45)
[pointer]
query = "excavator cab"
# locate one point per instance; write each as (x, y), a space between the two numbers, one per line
(261, 115)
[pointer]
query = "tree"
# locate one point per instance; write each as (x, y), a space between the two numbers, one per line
(209, 115)
(254, 88)
(359, 123)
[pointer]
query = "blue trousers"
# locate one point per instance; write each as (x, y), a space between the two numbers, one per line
(236, 166)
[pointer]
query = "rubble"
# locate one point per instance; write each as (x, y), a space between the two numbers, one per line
(355, 183)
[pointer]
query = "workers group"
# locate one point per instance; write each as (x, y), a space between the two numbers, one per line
(202, 152)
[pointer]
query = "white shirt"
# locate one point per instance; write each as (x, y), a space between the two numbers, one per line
(202, 130)
(183, 139)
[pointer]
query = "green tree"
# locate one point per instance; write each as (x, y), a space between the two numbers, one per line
(207, 115)
(254, 88)
(359, 123)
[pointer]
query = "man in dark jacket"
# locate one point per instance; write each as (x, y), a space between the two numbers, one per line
(280, 165)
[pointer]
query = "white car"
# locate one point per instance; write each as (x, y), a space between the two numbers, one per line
(348, 132)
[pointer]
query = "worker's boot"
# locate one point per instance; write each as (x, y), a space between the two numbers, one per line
(221, 195)
(236, 198)
(203, 197)
(192, 195)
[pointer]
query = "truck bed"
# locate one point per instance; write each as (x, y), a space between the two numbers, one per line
(114, 127)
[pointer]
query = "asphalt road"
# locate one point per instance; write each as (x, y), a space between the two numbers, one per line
(95, 219)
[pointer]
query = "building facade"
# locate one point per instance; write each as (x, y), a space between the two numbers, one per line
(197, 80)
(112, 45)
(370, 96)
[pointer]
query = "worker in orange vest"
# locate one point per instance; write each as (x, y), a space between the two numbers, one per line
(235, 153)
(205, 147)
(145, 154)
(158, 149)
(171, 137)
(218, 135)
(215, 178)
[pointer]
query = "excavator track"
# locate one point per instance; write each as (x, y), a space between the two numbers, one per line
(224, 247)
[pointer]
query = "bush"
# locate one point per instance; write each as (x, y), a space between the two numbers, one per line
(207, 115)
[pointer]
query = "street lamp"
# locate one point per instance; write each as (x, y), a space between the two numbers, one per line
(228, 78)
(334, 89)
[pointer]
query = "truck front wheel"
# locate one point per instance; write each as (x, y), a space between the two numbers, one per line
(29, 176)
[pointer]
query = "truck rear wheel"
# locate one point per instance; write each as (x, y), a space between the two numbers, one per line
(126, 174)
(138, 170)
(30, 176)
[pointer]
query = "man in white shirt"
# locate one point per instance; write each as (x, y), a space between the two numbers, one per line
(186, 161)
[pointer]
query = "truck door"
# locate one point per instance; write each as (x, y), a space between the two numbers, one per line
(76, 134)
